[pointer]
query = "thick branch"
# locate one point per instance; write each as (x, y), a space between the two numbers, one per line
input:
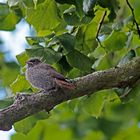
(26, 105)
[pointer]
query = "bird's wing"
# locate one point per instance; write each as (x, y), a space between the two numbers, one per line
(59, 78)
(52, 72)
(55, 74)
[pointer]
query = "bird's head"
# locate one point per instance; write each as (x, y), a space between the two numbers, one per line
(33, 62)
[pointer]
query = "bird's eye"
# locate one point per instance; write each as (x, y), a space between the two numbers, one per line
(33, 60)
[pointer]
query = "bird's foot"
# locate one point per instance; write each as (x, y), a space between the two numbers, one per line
(53, 89)
(50, 90)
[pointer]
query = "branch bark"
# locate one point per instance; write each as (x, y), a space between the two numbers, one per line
(29, 104)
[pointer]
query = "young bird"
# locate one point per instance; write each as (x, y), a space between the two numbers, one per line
(43, 76)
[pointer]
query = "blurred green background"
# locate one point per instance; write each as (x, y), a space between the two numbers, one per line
(66, 34)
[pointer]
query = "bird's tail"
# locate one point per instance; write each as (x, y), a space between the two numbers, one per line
(65, 84)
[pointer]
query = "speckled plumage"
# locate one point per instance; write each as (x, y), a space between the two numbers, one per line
(44, 76)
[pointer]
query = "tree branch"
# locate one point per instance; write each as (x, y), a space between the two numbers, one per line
(29, 104)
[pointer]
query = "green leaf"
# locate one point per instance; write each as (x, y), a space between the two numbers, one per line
(138, 51)
(20, 84)
(22, 58)
(8, 19)
(6, 102)
(79, 60)
(45, 130)
(27, 3)
(104, 62)
(61, 28)
(94, 104)
(5, 73)
(18, 136)
(34, 40)
(95, 135)
(99, 52)
(136, 5)
(131, 54)
(68, 41)
(47, 54)
(115, 41)
(44, 17)
(63, 65)
(129, 133)
(112, 5)
(86, 19)
(25, 125)
(86, 38)
(74, 73)
(71, 17)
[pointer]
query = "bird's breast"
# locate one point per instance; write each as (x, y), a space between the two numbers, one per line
(38, 77)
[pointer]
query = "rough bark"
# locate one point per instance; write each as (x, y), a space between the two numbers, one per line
(29, 104)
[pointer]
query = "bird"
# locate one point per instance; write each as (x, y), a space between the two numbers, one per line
(44, 77)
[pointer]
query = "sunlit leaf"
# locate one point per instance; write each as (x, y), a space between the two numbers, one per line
(44, 17)
(8, 19)
(94, 104)
(20, 84)
(115, 41)
(22, 58)
(46, 131)
(86, 38)
(25, 125)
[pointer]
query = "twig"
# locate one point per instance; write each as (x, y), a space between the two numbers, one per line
(132, 11)
(99, 28)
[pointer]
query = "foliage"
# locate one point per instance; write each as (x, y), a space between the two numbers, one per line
(77, 37)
